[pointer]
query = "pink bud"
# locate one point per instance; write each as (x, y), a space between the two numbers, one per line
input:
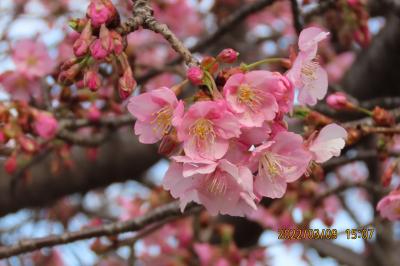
(101, 12)
(3, 137)
(10, 165)
(127, 84)
(81, 45)
(98, 51)
(27, 144)
(337, 100)
(117, 42)
(92, 79)
(228, 56)
(195, 75)
(45, 125)
(94, 113)
(67, 77)
(105, 38)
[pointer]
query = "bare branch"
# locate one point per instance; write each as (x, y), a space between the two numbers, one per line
(296, 16)
(169, 211)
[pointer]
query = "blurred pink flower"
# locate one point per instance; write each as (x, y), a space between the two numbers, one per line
(20, 86)
(306, 74)
(170, 12)
(45, 125)
(338, 66)
(389, 206)
(329, 142)
(31, 58)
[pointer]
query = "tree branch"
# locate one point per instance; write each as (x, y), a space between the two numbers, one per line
(169, 211)
(296, 16)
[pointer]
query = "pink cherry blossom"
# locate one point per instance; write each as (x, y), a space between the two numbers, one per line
(255, 135)
(221, 186)
(248, 97)
(154, 112)
(45, 125)
(206, 129)
(306, 74)
(31, 58)
(282, 160)
(282, 89)
(329, 142)
(21, 87)
(339, 65)
(389, 206)
(170, 12)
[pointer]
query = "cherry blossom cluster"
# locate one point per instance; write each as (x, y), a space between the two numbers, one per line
(98, 42)
(229, 144)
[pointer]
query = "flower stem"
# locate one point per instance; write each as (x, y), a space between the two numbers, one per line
(213, 86)
(273, 60)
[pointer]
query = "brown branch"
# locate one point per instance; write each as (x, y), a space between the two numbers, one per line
(341, 254)
(141, 234)
(296, 16)
(82, 140)
(141, 10)
(119, 159)
(152, 24)
(169, 211)
(347, 185)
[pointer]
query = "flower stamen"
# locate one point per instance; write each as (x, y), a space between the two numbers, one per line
(248, 96)
(162, 120)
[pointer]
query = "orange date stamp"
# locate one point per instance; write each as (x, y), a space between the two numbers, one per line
(307, 234)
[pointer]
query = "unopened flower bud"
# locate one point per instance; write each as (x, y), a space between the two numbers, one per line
(209, 63)
(46, 125)
(27, 144)
(382, 117)
(92, 80)
(118, 44)
(10, 165)
(97, 50)
(94, 113)
(102, 12)
(69, 63)
(81, 45)
(127, 84)
(337, 101)
(386, 178)
(3, 138)
(228, 56)
(353, 136)
(106, 39)
(195, 75)
(67, 77)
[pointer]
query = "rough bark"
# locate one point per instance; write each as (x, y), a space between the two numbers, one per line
(119, 159)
